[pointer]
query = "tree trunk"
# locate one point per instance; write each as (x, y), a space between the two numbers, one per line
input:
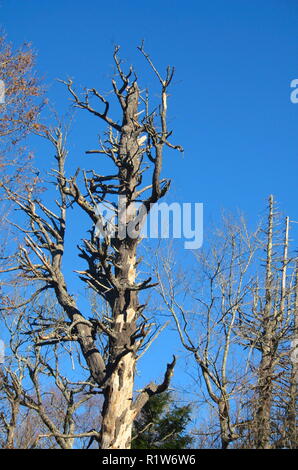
(265, 372)
(263, 414)
(117, 415)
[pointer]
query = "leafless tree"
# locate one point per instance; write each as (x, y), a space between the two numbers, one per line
(20, 106)
(268, 328)
(239, 328)
(207, 329)
(111, 261)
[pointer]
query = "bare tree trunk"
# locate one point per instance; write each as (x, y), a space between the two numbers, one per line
(11, 426)
(223, 295)
(117, 417)
(264, 400)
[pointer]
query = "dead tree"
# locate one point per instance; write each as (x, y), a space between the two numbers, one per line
(218, 289)
(111, 260)
(267, 328)
(292, 401)
(239, 332)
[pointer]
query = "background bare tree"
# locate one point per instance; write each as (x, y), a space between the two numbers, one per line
(268, 328)
(19, 110)
(238, 329)
(42, 404)
(206, 321)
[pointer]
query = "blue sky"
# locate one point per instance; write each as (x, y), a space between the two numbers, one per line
(230, 106)
(230, 102)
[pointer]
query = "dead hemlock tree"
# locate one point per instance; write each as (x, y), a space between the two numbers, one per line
(207, 328)
(241, 331)
(268, 328)
(112, 262)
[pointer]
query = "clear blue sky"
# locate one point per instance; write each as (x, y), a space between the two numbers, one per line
(230, 102)
(230, 106)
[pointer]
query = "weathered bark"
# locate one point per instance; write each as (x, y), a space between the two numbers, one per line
(11, 426)
(265, 371)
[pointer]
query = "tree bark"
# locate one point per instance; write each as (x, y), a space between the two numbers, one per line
(117, 416)
(265, 372)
